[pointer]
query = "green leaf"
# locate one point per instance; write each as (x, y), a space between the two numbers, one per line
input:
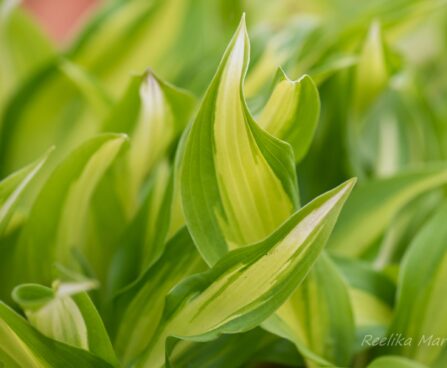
(12, 189)
(372, 297)
(138, 308)
(318, 316)
(115, 42)
(57, 219)
(23, 346)
(32, 122)
(395, 362)
(112, 43)
(238, 183)
(292, 113)
(374, 203)
(371, 74)
(153, 113)
(421, 294)
(256, 279)
(65, 313)
(230, 351)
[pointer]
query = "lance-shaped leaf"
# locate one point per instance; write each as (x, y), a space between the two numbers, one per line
(65, 313)
(247, 285)
(153, 113)
(238, 183)
(372, 297)
(12, 189)
(421, 295)
(318, 317)
(137, 309)
(373, 205)
(56, 222)
(23, 346)
(395, 362)
(292, 113)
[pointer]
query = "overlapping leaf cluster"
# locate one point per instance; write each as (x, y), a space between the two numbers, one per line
(159, 208)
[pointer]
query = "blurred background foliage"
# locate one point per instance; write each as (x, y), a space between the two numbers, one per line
(380, 69)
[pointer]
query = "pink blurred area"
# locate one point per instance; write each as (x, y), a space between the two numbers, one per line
(60, 18)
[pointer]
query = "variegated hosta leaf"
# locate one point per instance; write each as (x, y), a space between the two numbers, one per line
(373, 204)
(249, 284)
(238, 183)
(372, 297)
(12, 189)
(421, 295)
(57, 219)
(153, 113)
(395, 362)
(318, 317)
(23, 346)
(138, 308)
(292, 113)
(65, 313)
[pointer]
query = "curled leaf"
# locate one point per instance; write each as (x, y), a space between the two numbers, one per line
(238, 183)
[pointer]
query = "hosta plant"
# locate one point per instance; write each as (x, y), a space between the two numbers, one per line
(225, 184)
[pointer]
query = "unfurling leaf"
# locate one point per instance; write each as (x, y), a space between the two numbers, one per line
(292, 113)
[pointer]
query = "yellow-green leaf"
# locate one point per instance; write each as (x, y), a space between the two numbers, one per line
(238, 183)
(247, 285)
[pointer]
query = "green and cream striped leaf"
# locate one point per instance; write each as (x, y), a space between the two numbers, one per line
(318, 317)
(153, 113)
(23, 346)
(247, 285)
(65, 313)
(292, 113)
(56, 224)
(373, 204)
(238, 183)
(421, 295)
